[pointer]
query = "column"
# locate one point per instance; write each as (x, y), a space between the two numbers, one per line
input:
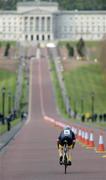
(51, 29)
(28, 28)
(42, 24)
(31, 24)
(34, 25)
(48, 24)
(45, 28)
(37, 23)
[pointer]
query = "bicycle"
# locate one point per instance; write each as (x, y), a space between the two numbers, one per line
(65, 156)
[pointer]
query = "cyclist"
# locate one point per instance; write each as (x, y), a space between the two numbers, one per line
(68, 135)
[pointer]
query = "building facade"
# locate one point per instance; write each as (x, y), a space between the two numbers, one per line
(43, 21)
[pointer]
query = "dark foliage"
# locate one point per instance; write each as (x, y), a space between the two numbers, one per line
(6, 53)
(81, 48)
(70, 50)
(63, 4)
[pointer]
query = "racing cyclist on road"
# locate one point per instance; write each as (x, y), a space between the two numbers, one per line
(68, 135)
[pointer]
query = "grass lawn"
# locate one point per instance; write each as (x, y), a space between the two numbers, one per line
(73, 43)
(81, 82)
(3, 128)
(3, 43)
(93, 47)
(8, 80)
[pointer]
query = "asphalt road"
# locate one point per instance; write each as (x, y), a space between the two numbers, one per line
(32, 155)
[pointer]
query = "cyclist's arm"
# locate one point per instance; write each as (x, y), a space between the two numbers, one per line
(74, 141)
(59, 140)
(58, 143)
(73, 144)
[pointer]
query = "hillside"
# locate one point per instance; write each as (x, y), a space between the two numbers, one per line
(63, 4)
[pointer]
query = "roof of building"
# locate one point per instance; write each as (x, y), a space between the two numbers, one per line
(79, 12)
(37, 3)
(9, 13)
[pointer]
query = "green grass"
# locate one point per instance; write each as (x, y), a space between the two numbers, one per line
(3, 128)
(4, 43)
(81, 82)
(93, 48)
(8, 80)
(73, 43)
(63, 43)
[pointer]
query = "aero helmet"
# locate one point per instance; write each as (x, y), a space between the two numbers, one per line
(67, 127)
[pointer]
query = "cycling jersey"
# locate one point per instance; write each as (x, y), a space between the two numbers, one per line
(68, 135)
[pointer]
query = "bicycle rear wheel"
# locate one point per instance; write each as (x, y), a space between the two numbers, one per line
(65, 164)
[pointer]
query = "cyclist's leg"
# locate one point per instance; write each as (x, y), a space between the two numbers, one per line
(69, 154)
(60, 150)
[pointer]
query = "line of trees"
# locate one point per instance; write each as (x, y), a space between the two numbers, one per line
(64, 4)
(83, 4)
(80, 48)
(7, 48)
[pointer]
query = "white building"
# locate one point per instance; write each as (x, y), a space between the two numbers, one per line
(43, 21)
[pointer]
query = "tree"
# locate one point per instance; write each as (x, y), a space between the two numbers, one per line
(63, 4)
(6, 53)
(81, 49)
(70, 50)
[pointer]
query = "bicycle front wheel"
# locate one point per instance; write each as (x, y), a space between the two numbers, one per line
(65, 168)
(65, 164)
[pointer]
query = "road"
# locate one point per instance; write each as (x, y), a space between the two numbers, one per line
(32, 155)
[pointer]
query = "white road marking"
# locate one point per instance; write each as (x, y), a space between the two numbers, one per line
(38, 53)
(41, 90)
